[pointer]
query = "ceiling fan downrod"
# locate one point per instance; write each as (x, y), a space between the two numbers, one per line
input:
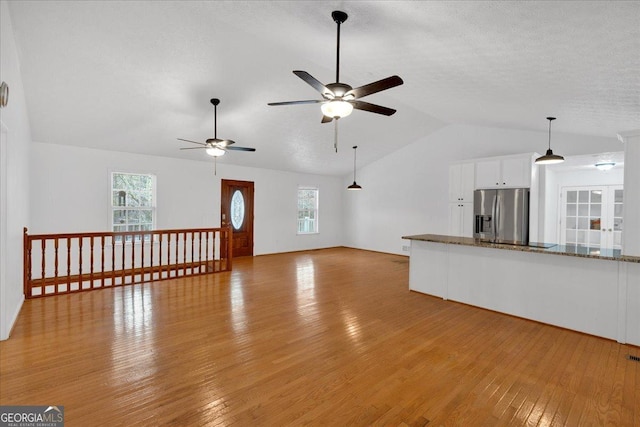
(215, 102)
(339, 17)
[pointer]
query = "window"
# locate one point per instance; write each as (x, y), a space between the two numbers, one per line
(307, 210)
(133, 204)
(237, 209)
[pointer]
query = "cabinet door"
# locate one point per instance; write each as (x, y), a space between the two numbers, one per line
(461, 182)
(467, 219)
(455, 183)
(461, 219)
(468, 182)
(455, 219)
(488, 174)
(516, 172)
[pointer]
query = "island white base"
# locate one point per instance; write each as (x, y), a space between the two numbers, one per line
(598, 297)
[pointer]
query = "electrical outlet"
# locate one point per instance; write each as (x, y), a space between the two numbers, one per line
(405, 248)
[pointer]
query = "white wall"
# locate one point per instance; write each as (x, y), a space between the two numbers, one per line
(70, 193)
(14, 178)
(406, 192)
(631, 208)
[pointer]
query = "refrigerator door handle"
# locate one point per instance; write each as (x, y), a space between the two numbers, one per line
(494, 213)
(498, 215)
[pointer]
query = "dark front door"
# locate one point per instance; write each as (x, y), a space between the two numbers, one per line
(237, 212)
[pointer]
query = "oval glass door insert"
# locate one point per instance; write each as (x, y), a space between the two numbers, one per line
(237, 209)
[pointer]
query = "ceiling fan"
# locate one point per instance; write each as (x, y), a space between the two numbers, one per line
(215, 147)
(339, 99)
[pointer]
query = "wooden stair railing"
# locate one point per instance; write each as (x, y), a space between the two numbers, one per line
(65, 263)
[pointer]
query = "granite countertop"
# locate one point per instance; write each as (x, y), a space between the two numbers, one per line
(545, 248)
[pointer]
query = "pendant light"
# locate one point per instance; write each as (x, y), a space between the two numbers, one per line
(549, 158)
(354, 186)
(605, 166)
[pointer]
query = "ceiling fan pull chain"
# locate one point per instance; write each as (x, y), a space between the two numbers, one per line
(335, 135)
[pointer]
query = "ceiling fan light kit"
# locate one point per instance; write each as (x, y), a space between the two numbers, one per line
(215, 151)
(549, 158)
(336, 109)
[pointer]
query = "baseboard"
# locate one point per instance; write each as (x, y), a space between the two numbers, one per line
(12, 322)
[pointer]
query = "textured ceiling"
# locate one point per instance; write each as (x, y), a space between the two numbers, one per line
(134, 76)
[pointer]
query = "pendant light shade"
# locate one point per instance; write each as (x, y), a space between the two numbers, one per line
(354, 186)
(605, 166)
(549, 158)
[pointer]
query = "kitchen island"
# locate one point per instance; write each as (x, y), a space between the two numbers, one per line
(591, 291)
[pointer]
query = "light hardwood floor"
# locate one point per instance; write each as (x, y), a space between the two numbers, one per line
(327, 337)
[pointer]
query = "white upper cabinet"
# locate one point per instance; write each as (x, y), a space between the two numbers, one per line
(488, 174)
(506, 172)
(461, 182)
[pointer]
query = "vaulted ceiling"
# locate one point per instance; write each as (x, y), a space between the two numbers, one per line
(134, 76)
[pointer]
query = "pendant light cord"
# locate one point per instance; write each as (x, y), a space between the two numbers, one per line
(550, 120)
(354, 163)
(215, 122)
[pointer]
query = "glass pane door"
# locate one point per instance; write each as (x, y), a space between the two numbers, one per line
(592, 216)
(614, 228)
(583, 217)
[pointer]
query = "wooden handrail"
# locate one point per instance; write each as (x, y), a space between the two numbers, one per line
(74, 262)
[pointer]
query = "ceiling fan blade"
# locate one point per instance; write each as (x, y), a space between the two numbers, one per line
(380, 85)
(373, 108)
(312, 81)
(309, 101)
(193, 142)
(193, 148)
(326, 119)
(240, 149)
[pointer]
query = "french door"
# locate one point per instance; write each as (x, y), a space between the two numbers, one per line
(592, 216)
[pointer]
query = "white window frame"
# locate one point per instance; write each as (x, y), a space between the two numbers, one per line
(315, 210)
(114, 207)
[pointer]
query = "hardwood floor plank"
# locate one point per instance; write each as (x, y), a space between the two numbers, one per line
(326, 337)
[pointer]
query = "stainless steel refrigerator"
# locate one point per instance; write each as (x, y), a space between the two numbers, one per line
(502, 215)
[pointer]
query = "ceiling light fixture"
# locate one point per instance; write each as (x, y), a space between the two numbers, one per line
(549, 158)
(354, 186)
(605, 166)
(336, 109)
(215, 151)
